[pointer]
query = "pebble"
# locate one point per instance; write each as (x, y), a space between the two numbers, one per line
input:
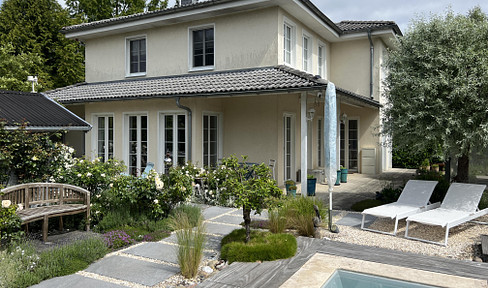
(207, 269)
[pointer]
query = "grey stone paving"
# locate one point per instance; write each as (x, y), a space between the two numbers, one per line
(75, 281)
(221, 229)
(354, 220)
(132, 270)
(214, 211)
(155, 250)
(229, 219)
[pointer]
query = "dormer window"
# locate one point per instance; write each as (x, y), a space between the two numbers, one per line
(202, 48)
(136, 56)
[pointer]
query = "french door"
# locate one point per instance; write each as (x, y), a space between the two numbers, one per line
(289, 146)
(349, 144)
(174, 138)
(137, 143)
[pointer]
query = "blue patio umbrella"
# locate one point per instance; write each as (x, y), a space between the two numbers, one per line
(330, 136)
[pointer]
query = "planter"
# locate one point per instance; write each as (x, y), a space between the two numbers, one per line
(338, 180)
(311, 183)
(291, 193)
(343, 175)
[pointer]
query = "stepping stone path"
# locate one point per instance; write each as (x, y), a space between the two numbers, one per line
(149, 263)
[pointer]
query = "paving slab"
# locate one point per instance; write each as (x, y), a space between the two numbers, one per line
(221, 229)
(229, 219)
(212, 241)
(132, 270)
(214, 211)
(354, 220)
(263, 215)
(75, 281)
(155, 250)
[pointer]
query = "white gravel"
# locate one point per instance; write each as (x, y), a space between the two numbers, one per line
(463, 244)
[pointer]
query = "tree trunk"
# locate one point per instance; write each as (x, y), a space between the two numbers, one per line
(463, 169)
(247, 221)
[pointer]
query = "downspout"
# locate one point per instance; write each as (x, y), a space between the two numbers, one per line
(371, 62)
(189, 126)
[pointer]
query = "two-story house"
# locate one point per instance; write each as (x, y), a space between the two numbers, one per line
(246, 77)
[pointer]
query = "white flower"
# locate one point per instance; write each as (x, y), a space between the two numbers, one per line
(183, 188)
(88, 174)
(79, 175)
(34, 158)
(102, 175)
(111, 185)
(51, 179)
(210, 193)
(71, 150)
(20, 207)
(6, 203)
(98, 195)
(156, 201)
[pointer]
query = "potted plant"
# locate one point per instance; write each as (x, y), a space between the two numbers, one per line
(338, 180)
(425, 165)
(343, 174)
(435, 167)
(288, 184)
(292, 191)
(311, 184)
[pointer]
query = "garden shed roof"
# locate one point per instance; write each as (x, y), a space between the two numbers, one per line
(38, 111)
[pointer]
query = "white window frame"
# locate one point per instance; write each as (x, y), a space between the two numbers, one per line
(322, 60)
(292, 117)
(307, 51)
(292, 39)
(219, 134)
(126, 139)
(162, 137)
(95, 135)
(191, 66)
(127, 56)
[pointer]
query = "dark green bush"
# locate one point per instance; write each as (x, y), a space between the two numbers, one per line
(484, 201)
(263, 246)
(390, 194)
(365, 204)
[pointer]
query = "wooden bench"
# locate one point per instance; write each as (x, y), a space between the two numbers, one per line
(41, 201)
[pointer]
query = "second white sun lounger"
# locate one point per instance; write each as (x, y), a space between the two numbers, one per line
(460, 205)
(414, 199)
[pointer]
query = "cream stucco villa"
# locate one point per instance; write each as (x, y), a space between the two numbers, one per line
(210, 79)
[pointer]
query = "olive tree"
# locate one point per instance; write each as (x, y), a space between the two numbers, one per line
(437, 86)
(250, 187)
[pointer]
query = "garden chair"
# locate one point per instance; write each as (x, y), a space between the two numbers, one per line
(149, 167)
(414, 199)
(459, 206)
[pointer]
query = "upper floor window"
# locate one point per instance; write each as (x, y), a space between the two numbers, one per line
(203, 48)
(288, 43)
(307, 53)
(136, 56)
(321, 61)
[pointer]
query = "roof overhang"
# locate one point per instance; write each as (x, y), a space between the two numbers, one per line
(51, 128)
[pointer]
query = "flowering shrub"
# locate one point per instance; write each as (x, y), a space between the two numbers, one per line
(117, 239)
(9, 222)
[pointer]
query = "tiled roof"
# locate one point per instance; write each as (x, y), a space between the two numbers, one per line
(246, 81)
(359, 26)
(39, 111)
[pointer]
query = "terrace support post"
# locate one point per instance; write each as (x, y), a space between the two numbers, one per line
(45, 226)
(303, 146)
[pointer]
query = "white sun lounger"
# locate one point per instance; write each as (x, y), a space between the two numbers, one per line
(459, 206)
(414, 199)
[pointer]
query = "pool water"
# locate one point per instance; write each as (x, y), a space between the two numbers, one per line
(347, 279)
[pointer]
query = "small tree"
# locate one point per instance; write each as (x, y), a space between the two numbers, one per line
(251, 187)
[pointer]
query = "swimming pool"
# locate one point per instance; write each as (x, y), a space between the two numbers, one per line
(348, 279)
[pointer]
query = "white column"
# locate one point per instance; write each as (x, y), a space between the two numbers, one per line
(303, 146)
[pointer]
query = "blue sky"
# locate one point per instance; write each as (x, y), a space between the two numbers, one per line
(402, 12)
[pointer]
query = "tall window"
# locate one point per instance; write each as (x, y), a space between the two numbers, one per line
(307, 53)
(288, 43)
(289, 146)
(137, 143)
(320, 141)
(210, 140)
(174, 138)
(105, 137)
(321, 59)
(203, 48)
(136, 56)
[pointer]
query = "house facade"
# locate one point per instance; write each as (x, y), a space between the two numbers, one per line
(245, 77)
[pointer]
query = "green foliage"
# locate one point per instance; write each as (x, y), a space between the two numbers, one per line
(32, 28)
(360, 206)
(484, 201)
(25, 267)
(440, 189)
(390, 193)
(276, 220)
(264, 246)
(91, 10)
(437, 85)
(9, 223)
(31, 155)
(300, 213)
(190, 242)
(193, 213)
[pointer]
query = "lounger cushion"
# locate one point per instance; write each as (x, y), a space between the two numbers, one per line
(391, 210)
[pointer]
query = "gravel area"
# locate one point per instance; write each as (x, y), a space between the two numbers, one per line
(464, 240)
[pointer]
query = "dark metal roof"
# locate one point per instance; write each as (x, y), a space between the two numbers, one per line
(361, 26)
(344, 27)
(40, 112)
(243, 81)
